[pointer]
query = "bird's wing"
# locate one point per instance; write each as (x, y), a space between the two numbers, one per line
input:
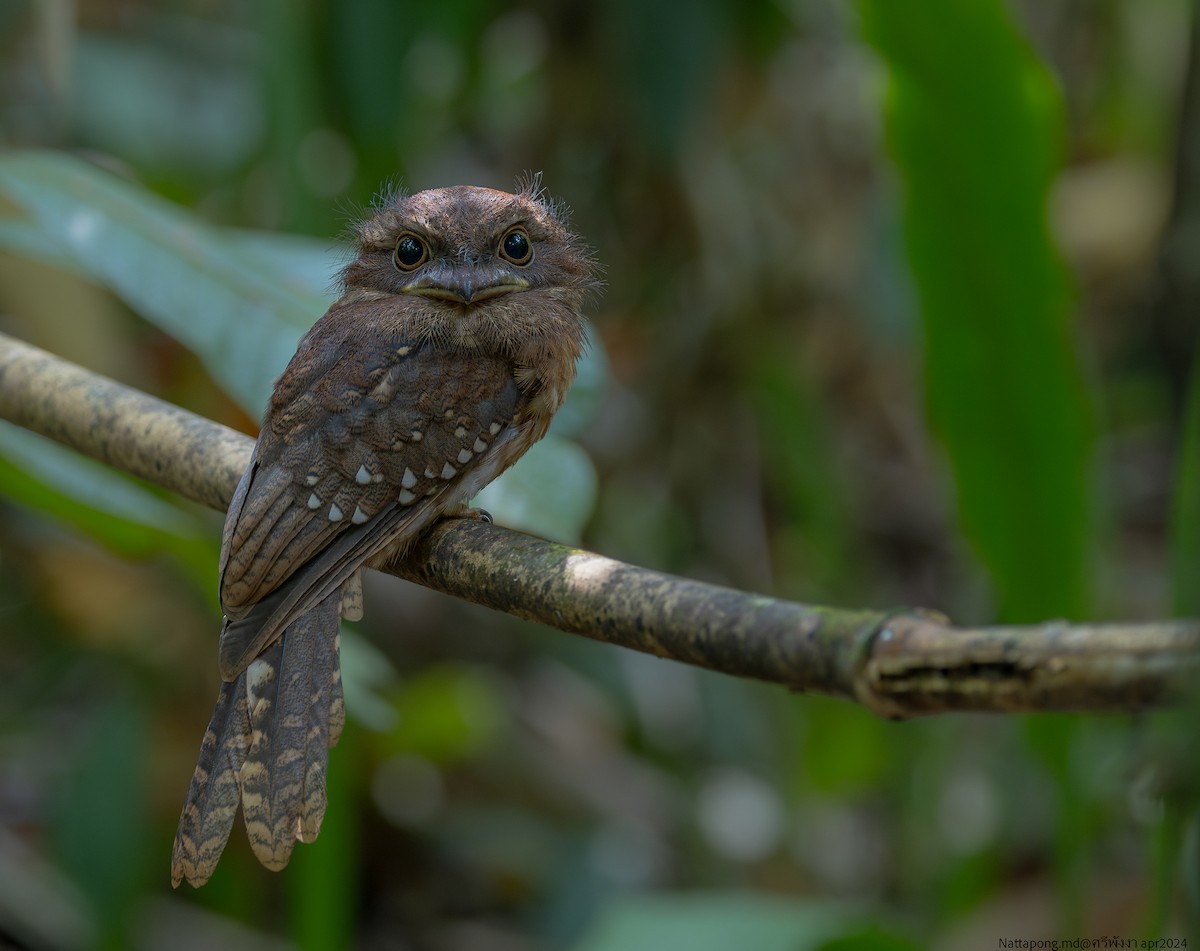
(365, 443)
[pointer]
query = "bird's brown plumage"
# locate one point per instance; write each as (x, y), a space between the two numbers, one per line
(430, 376)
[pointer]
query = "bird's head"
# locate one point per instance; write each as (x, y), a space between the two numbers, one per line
(474, 267)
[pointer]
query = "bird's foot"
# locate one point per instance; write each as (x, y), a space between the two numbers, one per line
(462, 510)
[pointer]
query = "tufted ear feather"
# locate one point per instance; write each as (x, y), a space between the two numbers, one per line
(357, 217)
(529, 184)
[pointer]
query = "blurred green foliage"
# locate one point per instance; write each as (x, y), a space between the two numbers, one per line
(1002, 371)
(1185, 515)
(879, 328)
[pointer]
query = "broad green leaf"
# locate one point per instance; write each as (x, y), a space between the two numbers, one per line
(92, 498)
(551, 492)
(237, 311)
(587, 393)
(27, 240)
(975, 126)
(366, 674)
(309, 264)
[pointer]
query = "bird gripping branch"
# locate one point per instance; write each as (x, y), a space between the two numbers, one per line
(450, 349)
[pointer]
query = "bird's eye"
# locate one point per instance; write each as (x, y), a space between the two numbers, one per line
(411, 252)
(515, 247)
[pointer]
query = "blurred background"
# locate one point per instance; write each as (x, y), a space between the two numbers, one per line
(900, 309)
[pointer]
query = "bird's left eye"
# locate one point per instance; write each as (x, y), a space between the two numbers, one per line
(516, 248)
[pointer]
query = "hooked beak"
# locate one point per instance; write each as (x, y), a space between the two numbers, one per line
(464, 290)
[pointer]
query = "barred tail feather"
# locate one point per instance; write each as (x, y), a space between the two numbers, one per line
(296, 713)
(212, 798)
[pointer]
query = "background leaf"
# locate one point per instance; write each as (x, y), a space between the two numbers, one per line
(1006, 395)
(238, 312)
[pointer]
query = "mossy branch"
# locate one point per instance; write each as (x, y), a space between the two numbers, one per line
(898, 664)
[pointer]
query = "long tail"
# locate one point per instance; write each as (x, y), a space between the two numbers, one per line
(267, 744)
(212, 799)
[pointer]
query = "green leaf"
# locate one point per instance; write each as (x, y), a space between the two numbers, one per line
(975, 124)
(233, 307)
(366, 674)
(310, 265)
(28, 241)
(92, 498)
(713, 922)
(550, 492)
(587, 393)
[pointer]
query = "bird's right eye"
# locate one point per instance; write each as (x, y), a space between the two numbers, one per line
(411, 252)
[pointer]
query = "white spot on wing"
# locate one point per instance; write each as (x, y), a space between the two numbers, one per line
(409, 479)
(480, 445)
(335, 513)
(314, 501)
(464, 456)
(362, 476)
(405, 497)
(359, 515)
(448, 471)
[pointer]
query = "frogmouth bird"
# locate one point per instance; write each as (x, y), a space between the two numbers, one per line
(444, 359)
